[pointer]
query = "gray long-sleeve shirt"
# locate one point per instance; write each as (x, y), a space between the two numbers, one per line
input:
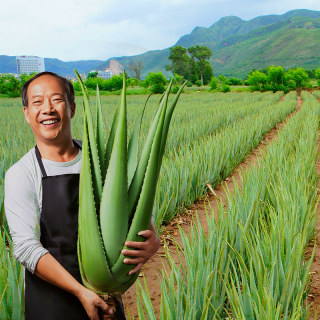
(23, 203)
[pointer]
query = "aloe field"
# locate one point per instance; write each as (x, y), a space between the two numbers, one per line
(250, 262)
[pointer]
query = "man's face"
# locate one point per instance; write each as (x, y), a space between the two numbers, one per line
(48, 111)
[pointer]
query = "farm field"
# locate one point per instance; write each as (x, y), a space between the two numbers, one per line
(248, 263)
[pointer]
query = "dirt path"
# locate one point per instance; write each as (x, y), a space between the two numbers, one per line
(314, 295)
(152, 268)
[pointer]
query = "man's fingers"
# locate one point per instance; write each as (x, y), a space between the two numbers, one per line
(136, 244)
(133, 253)
(146, 233)
(136, 268)
(103, 308)
(134, 261)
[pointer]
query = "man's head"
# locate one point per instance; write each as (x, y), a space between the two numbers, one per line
(66, 83)
(48, 107)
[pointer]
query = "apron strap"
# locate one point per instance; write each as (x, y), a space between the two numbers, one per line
(43, 171)
(77, 143)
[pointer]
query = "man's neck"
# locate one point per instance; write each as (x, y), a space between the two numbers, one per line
(59, 152)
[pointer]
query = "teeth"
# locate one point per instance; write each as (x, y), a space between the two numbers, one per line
(50, 121)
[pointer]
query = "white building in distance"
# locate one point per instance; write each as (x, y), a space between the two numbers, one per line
(29, 64)
(105, 74)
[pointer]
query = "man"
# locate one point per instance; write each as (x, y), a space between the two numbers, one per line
(41, 203)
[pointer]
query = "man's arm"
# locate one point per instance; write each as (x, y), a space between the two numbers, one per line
(50, 270)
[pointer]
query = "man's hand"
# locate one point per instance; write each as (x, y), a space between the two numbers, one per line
(50, 270)
(145, 250)
(92, 302)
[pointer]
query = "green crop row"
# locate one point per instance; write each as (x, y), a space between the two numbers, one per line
(183, 179)
(196, 118)
(251, 264)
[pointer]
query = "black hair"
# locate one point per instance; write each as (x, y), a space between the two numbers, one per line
(67, 85)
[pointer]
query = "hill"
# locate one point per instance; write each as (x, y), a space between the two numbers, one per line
(238, 46)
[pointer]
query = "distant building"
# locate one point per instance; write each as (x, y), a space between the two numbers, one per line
(105, 74)
(29, 64)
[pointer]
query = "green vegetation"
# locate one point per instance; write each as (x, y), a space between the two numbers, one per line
(11, 86)
(277, 79)
(251, 263)
(11, 281)
(232, 124)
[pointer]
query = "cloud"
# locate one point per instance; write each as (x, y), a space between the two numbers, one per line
(99, 29)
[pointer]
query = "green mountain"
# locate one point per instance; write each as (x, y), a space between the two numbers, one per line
(238, 46)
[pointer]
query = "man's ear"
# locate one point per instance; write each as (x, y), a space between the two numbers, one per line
(26, 114)
(73, 109)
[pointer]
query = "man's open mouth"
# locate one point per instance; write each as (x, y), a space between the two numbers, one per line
(52, 121)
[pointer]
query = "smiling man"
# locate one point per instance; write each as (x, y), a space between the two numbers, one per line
(41, 204)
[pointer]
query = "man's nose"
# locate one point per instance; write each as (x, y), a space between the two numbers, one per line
(47, 106)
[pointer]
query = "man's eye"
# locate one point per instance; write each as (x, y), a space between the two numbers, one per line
(38, 101)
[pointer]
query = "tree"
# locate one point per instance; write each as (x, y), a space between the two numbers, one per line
(222, 79)
(234, 82)
(299, 76)
(178, 79)
(157, 81)
(276, 77)
(214, 83)
(93, 74)
(180, 62)
(207, 72)
(136, 67)
(10, 86)
(257, 80)
(25, 77)
(200, 54)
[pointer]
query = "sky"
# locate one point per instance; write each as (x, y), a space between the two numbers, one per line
(100, 29)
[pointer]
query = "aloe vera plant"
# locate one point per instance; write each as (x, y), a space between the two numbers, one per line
(116, 191)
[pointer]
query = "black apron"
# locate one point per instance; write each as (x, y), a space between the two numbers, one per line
(59, 235)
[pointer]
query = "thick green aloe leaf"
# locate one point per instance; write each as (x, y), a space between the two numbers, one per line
(91, 254)
(97, 181)
(142, 216)
(114, 203)
(133, 146)
(100, 136)
(112, 135)
(137, 181)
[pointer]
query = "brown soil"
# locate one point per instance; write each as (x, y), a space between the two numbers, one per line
(314, 295)
(152, 269)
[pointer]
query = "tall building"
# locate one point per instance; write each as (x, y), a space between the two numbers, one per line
(29, 64)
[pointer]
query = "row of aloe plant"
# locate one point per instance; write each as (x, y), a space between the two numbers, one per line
(251, 263)
(11, 281)
(213, 158)
(214, 112)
